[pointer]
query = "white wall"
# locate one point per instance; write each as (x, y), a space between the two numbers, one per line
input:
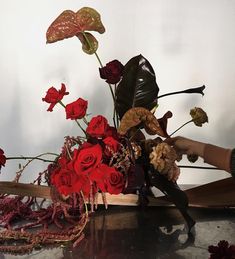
(189, 43)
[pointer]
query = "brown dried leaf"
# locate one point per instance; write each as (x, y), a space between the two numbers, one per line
(137, 115)
(89, 20)
(69, 24)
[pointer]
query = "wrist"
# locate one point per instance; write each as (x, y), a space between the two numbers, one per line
(197, 148)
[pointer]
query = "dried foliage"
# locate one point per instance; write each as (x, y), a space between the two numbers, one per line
(139, 116)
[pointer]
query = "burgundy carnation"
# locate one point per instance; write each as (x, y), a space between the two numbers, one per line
(112, 72)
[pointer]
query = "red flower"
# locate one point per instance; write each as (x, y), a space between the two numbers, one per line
(114, 180)
(112, 72)
(222, 250)
(67, 182)
(53, 96)
(76, 110)
(111, 146)
(86, 159)
(108, 179)
(2, 158)
(111, 132)
(97, 126)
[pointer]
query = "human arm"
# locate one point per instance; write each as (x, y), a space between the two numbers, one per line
(213, 155)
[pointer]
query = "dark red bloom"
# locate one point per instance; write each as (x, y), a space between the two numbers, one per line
(114, 180)
(111, 132)
(76, 110)
(222, 250)
(97, 126)
(2, 158)
(112, 72)
(108, 179)
(111, 146)
(53, 96)
(86, 159)
(67, 182)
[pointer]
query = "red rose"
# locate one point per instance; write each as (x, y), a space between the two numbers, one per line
(98, 176)
(86, 159)
(67, 182)
(2, 158)
(76, 110)
(97, 126)
(111, 146)
(112, 72)
(108, 179)
(114, 181)
(53, 96)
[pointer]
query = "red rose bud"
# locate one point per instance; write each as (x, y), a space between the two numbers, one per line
(97, 127)
(2, 158)
(76, 110)
(111, 146)
(53, 96)
(112, 72)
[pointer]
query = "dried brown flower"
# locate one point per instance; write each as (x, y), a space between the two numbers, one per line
(137, 115)
(163, 157)
(199, 116)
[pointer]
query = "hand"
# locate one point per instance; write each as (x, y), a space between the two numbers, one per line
(186, 146)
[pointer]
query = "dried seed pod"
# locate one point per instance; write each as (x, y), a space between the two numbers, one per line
(192, 158)
(137, 115)
(199, 116)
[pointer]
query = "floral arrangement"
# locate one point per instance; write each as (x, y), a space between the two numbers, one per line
(109, 157)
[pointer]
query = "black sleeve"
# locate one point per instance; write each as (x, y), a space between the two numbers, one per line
(232, 163)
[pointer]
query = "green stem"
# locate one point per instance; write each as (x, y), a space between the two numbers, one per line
(79, 125)
(98, 58)
(34, 158)
(60, 102)
(181, 127)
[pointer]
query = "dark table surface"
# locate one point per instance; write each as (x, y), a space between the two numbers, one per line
(155, 232)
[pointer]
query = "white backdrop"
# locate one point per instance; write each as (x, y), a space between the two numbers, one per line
(189, 43)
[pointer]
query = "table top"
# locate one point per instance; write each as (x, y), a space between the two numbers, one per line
(153, 232)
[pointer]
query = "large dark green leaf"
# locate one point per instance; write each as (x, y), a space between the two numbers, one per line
(138, 87)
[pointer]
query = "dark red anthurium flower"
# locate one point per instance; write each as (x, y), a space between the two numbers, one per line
(53, 96)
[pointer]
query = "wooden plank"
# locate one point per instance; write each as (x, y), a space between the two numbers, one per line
(24, 189)
(216, 194)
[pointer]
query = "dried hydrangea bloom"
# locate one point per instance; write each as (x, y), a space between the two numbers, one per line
(199, 116)
(173, 173)
(163, 157)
